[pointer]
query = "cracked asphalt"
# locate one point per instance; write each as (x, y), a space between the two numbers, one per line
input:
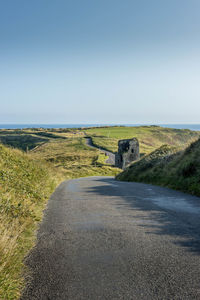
(105, 239)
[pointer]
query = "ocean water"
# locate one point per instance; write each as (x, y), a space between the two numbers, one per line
(22, 126)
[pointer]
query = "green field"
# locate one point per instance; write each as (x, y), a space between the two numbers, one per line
(73, 159)
(150, 137)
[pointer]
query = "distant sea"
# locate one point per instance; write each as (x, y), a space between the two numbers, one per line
(22, 126)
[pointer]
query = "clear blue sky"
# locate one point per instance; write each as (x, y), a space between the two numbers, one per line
(99, 61)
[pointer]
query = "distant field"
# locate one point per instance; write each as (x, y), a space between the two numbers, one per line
(63, 149)
(150, 137)
(73, 159)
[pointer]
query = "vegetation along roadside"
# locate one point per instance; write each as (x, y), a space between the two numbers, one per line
(168, 167)
(34, 161)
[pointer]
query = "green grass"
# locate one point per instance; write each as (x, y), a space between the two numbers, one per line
(150, 137)
(22, 141)
(102, 157)
(25, 186)
(73, 158)
(166, 166)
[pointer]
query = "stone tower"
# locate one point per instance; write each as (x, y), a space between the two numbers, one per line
(128, 151)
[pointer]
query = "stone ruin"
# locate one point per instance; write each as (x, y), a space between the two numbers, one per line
(128, 151)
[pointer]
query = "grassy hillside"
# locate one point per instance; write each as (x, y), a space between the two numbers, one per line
(150, 137)
(167, 167)
(25, 187)
(23, 141)
(28, 139)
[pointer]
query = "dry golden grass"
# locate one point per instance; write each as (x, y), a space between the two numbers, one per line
(24, 189)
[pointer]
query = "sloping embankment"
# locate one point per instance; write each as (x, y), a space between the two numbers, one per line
(25, 186)
(167, 167)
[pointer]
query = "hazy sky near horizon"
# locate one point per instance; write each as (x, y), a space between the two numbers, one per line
(99, 61)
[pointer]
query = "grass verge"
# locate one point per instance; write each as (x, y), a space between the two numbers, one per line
(25, 186)
(166, 166)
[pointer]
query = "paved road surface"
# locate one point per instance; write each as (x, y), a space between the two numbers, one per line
(111, 156)
(103, 239)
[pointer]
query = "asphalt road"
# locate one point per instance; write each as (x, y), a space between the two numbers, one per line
(111, 156)
(104, 239)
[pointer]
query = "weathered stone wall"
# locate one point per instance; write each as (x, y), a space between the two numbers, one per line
(128, 151)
